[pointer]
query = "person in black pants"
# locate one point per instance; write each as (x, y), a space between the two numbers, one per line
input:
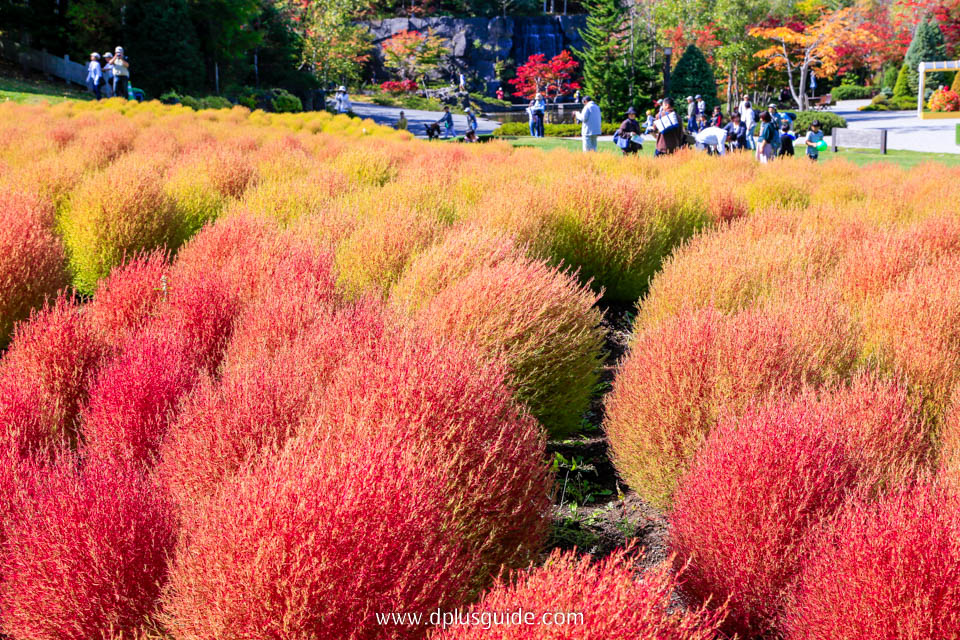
(736, 132)
(629, 128)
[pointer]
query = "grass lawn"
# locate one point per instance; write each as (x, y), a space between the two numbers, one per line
(16, 88)
(861, 157)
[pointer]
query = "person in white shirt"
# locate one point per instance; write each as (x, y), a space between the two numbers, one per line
(341, 102)
(589, 123)
(712, 139)
(94, 74)
(121, 74)
(701, 105)
(108, 73)
(746, 117)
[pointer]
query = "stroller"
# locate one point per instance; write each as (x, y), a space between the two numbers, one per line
(433, 130)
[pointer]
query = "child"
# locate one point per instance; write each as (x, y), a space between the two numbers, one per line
(814, 136)
(786, 139)
(648, 124)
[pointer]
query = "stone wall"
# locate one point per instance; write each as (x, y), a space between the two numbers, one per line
(475, 44)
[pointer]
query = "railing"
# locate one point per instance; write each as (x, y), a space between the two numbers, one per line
(28, 58)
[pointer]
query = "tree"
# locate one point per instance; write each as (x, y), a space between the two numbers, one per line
(693, 75)
(332, 46)
(162, 46)
(549, 77)
(413, 54)
(616, 71)
(927, 45)
(799, 49)
(223, 32)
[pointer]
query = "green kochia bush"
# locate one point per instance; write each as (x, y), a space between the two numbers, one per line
(114, 217)
(827, 121)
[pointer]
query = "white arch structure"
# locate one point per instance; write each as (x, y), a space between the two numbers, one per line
(933, 67)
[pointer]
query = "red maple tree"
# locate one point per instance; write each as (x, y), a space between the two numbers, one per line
(549, 77)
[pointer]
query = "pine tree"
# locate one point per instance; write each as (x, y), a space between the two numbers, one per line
(902, 88)
(693, 76)
(927, 45)
(955, 87)
(616, 74)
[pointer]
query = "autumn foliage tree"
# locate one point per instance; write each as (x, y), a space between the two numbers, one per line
(413, 54)
(799, 49)
(548, 77)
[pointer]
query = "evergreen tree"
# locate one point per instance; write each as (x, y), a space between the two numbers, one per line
(902, 88)
(927, 45)
(162, 46)
(693, 76)
(616, 72)
(955, 87)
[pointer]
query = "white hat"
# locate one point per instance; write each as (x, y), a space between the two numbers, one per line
(118, 50)
(95, 55)
(342, 88)
(467, 110)
(108, 55)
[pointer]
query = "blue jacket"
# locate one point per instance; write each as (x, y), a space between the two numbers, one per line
(447, 119)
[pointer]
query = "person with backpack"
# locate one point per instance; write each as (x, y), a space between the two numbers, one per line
(768, 134)
(471, 119)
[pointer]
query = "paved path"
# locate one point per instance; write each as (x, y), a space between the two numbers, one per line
(904, 129)
(417, 119)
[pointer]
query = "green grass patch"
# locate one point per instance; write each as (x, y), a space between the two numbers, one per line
(550, 144)
(32, 91)
(958, 135)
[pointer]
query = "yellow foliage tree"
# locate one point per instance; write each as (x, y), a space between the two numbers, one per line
(799, 52)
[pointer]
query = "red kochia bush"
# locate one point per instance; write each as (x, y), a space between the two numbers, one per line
(32, 258)
(126, 298)
(132, 400)
(884, 571)
(743, 510)
(683, 373)
(45, 375)
(86, 556)
(416, 479)
(614, 601)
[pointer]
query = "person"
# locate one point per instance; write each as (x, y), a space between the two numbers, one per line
(402, 122)
(463, 82)
(786, 140)
(107, 72)
(669, 139)
(539, 112)
(701, 105)
(447, 120)
(471, 119)
(121, 74)
(713, 139)
(471, 136)
(716, 120)
(749, 120)
(699, 123)
(691, 114)
(768, 133)
(648, 127)
(627, 136)
(532, 119)
(814, 136)
(736, 132)
(341, 101)
(433, 130)
(499, 93)
(589, 123)
(775, 116)
(576, 96)
(94, 75)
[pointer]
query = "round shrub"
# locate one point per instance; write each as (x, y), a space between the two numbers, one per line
(613, 600)
(383, 504)
(681, 375)
(828, 121)
(85, 556)
(448, 261)
(32, 258)
(888, 569)
(46, 374)
(113, 218)
(742, 512)
(126, 299)
(541, 321)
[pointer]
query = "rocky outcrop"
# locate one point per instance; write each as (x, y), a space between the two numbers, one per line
(475, 44)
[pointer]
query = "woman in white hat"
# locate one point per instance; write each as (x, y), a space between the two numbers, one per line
(94, 74)
(341, 103)
(121, 73)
